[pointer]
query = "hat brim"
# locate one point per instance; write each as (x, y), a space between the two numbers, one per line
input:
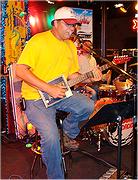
(71, 21)
(68, 21)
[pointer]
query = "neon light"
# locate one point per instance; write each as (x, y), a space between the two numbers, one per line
(123, 9)
(135, 24)
(50, 17)
(118, 5)
(136, 7)
(32, 20)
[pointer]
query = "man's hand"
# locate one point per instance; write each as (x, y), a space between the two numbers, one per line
(57, 91)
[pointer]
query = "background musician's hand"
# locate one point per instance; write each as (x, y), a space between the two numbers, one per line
(107, 77)
(57, 91)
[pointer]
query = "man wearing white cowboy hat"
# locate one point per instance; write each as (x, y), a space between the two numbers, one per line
(47, 56)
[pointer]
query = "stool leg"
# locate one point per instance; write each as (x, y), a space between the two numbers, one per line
(41, 162)
(33, 165)
(62, 149)
(64, 153)
(64, 165)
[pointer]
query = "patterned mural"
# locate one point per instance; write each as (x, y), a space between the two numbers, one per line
(15, 30)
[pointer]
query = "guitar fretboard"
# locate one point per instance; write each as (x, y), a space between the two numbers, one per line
(90, 74)
(81, 78)
(85, 76)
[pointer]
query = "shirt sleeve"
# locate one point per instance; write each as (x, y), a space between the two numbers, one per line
(28, 57)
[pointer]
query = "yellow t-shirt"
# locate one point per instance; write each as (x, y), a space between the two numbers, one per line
(48, 58)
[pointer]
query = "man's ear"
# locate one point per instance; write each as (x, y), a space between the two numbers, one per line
(55, 23)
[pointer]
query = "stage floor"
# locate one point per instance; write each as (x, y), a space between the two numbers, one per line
(16, 161)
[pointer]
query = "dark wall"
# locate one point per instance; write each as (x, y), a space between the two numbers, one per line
(119, 33)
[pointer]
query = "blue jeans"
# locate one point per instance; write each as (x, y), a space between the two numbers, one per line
(79, 106)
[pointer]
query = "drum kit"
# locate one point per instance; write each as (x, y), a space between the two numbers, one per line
(123, 89)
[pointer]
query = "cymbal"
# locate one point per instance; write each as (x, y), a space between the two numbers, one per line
(135, 64)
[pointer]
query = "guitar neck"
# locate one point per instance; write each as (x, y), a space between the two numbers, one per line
(79, 79)
(85, 76)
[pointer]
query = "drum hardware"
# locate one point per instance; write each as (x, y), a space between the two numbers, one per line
(135, 64)
(99, 133)
(99, 142)
(93, 136)
(131, 52)
(109, 130)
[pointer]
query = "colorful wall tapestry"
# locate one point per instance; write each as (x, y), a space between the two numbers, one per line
(15, 32)
(16, 29)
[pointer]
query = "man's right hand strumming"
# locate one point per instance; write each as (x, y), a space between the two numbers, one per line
(57, 91)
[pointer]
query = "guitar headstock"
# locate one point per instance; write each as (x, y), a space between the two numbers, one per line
(121, 59)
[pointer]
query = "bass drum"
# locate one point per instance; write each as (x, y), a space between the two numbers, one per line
(111, 133)
(110, 130)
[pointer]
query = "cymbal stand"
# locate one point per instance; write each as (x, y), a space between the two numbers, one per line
(125, 66)
(119, 150)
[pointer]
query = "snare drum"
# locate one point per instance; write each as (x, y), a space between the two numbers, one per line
(122, 84)
(106, 90)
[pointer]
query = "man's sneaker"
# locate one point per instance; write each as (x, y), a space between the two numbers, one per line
(70, 144)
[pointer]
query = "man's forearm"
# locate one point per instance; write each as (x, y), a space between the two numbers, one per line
(24, 73)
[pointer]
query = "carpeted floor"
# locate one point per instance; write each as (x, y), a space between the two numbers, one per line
(16, 161)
